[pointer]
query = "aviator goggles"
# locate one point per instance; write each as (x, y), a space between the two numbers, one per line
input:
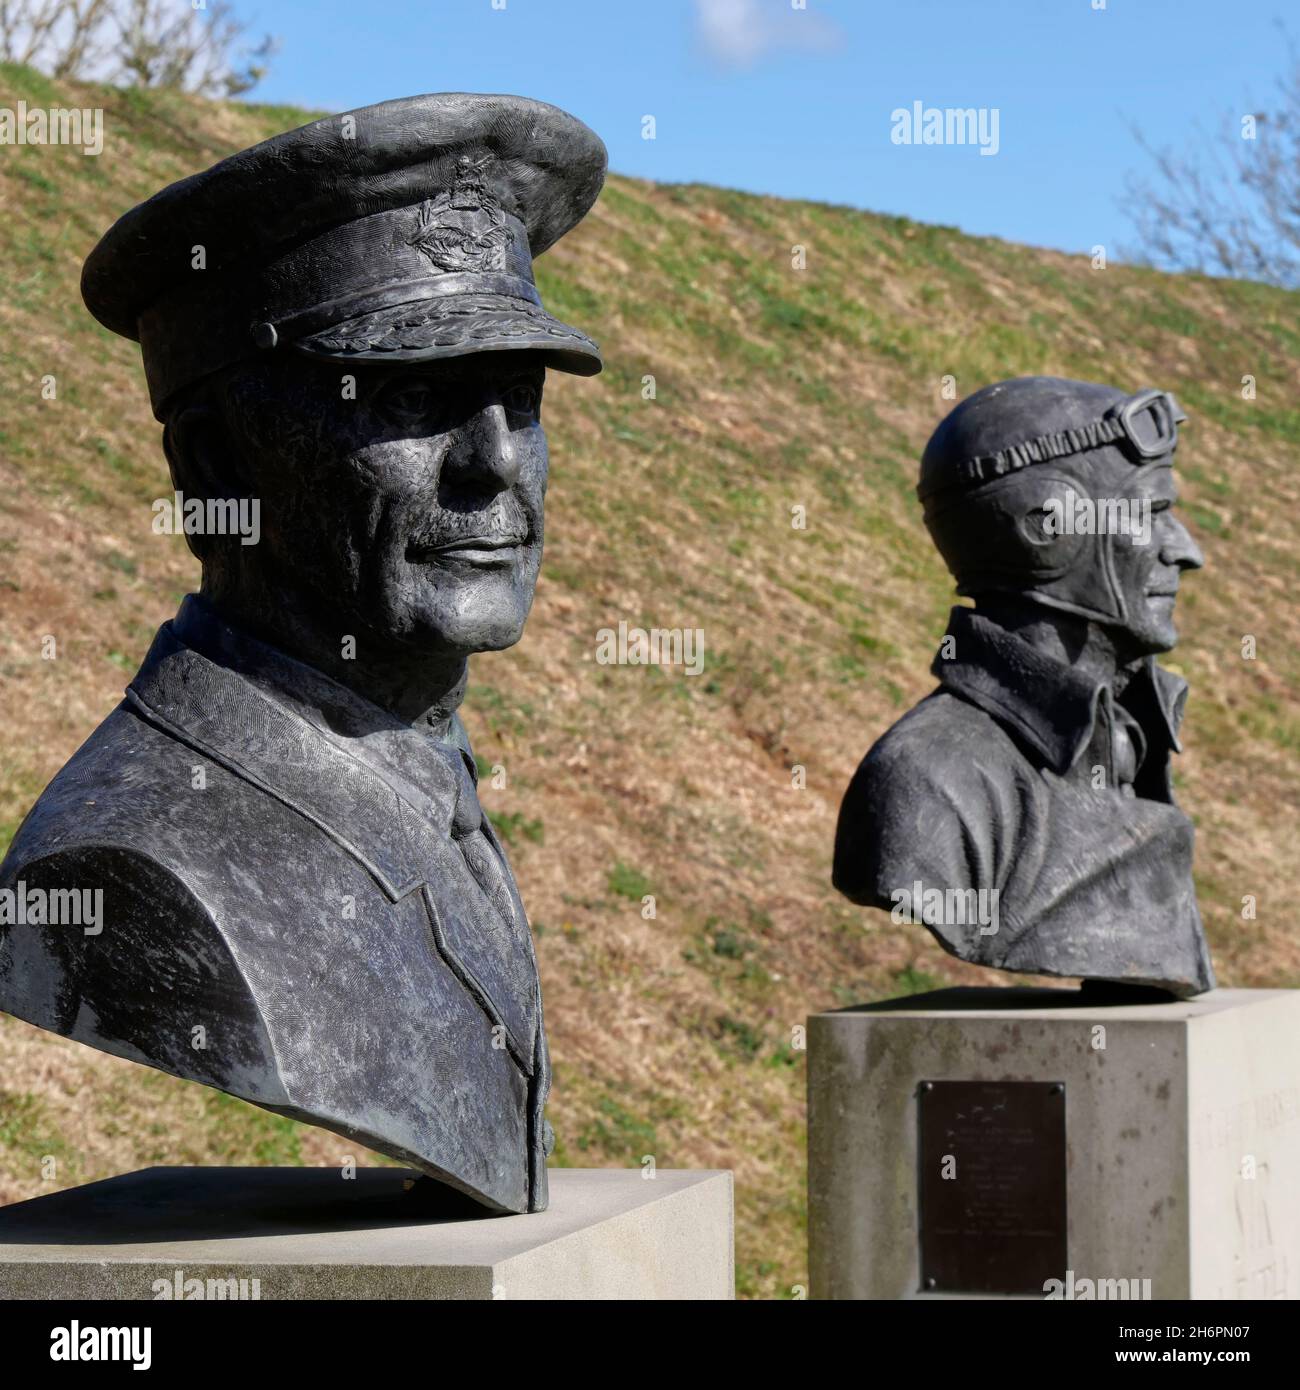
(1145, 426)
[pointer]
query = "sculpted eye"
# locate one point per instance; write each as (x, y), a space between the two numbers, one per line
(409, 400)
(523, 398)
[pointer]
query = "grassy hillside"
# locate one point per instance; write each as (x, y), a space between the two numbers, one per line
(775, 388)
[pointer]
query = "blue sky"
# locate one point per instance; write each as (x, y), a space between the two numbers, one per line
(759, 95)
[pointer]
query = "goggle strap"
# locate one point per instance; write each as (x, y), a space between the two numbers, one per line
(1045, 447)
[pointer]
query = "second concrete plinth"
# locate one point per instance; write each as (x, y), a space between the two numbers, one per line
(1127, 1149)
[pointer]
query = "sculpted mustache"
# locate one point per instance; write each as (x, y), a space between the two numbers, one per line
(499, 525)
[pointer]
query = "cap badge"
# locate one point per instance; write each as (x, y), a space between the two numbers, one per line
(463, 228)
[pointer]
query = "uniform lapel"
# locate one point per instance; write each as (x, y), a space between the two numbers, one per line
(435, 839)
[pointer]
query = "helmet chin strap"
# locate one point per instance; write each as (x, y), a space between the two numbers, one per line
(1078, 570)
(1089, 588)
(1065, 605)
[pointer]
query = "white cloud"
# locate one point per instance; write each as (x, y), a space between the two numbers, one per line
(737, 33)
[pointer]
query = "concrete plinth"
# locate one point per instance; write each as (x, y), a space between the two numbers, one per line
(1181, 1123)
(310, 1233)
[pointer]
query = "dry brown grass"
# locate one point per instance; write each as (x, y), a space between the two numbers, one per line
(774, 388)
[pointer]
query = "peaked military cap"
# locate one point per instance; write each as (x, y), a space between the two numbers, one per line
(404, 231)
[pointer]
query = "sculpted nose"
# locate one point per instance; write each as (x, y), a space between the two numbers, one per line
(485, 450)
(1177, 547)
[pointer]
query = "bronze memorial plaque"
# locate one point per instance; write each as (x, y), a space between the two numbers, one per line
(992, 1185)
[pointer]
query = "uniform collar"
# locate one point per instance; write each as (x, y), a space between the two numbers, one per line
(1051, 706)
(401, 802)
(315, 745)
(318, 698)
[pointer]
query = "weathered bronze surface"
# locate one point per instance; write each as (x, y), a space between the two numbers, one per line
(303, 903)
(1024, 811)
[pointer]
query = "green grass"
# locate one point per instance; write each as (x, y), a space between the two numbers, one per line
(514, 827)
(30, 1139)
(775, 387)
(627, 882)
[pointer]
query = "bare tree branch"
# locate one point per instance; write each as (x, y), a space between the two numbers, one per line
(85, 43)
(144, 43)
(1231, 204)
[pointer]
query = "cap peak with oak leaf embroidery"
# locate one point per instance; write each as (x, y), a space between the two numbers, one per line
(404, 231)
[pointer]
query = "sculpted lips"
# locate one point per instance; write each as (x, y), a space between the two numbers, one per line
(469, 530)
(1164, 585)
(491, 549)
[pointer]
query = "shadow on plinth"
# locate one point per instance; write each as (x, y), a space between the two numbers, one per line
(177, 1204)
(1091, 994)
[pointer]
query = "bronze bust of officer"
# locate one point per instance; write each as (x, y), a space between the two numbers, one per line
(304, 904)
(1035, 779)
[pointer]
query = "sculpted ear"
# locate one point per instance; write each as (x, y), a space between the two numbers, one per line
(1042, 540)
(200, 452)
(205, 465)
